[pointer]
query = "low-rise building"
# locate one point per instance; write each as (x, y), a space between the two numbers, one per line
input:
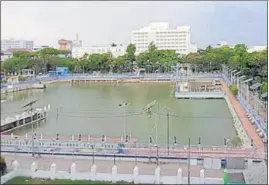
(6, 55)
(118, 50)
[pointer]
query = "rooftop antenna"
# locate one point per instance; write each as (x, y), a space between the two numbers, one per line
(30, 105)
(77, 36)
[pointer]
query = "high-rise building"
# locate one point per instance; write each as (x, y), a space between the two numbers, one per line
(165, 38)
(7, 44)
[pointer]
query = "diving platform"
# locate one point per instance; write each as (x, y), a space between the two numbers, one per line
(200, 95)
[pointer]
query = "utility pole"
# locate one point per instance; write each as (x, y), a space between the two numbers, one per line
(189, 155)
(32, 124)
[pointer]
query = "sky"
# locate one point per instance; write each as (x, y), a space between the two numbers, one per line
(102, 23)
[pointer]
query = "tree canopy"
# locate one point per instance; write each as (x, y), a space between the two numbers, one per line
(153, 60)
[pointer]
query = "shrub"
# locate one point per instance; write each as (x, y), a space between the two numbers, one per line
(233, 89)
(22, 78)
(3, 165)
(3, 81)
(236, 142)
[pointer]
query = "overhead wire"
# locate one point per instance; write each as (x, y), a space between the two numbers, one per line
(194, 116)
(96, 117)
(97, 112)
(128, 114)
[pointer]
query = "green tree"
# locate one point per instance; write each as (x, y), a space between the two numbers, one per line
(99, 62)
(130, 56)
(15, 64)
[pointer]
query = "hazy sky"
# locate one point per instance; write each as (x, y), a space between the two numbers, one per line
(101, 23)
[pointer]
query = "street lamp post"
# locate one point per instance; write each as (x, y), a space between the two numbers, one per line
(232, 76)
(168, 133)
(239, 83)
(236, 77)
(189, 160)
(228, 73)
(93, 161)
(157, 156)
(246, 86)
(124, 118)
(156, 73)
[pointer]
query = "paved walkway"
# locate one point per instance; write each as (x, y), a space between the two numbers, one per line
(124, 167)
(244, 119)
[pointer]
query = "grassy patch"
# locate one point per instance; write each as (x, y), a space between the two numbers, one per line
(28, 180)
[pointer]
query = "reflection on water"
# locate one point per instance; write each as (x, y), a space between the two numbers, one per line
(95, 110)
(20, 94)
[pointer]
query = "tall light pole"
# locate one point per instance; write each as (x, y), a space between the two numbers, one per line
(124, 118)
(247, 88)
(232, 76)
(235, 75)
(229, 71)
(239, 83)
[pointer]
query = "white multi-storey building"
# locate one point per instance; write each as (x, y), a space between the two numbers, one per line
(78, 52)
(7, 44)
(165, 38)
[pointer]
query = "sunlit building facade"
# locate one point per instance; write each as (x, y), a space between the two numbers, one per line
(165, 38)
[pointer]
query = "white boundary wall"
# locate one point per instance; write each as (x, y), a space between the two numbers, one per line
(93, 174)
